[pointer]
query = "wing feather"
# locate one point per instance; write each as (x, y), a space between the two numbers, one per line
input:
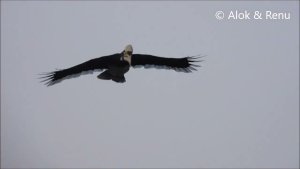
(100, 63)
(185, 64)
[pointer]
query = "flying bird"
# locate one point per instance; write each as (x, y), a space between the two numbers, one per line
(116, 65)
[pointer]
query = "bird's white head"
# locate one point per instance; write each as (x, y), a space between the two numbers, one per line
(127, 53)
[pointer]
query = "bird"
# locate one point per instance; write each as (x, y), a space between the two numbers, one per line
(116, 65)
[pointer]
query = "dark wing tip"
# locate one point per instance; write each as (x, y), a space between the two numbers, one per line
(192, 62)
(49, 79)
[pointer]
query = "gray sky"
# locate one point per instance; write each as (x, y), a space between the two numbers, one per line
(240, 109)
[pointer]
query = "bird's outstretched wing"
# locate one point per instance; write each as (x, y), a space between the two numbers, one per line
(186, 64)
(100, 63)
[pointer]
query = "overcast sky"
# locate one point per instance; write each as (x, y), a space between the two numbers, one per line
(240, 109)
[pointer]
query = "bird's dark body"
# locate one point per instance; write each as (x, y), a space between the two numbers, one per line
(119, 70)
(115, 71)
(116, 65)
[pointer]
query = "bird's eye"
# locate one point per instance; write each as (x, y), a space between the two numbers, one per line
(129, 53)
